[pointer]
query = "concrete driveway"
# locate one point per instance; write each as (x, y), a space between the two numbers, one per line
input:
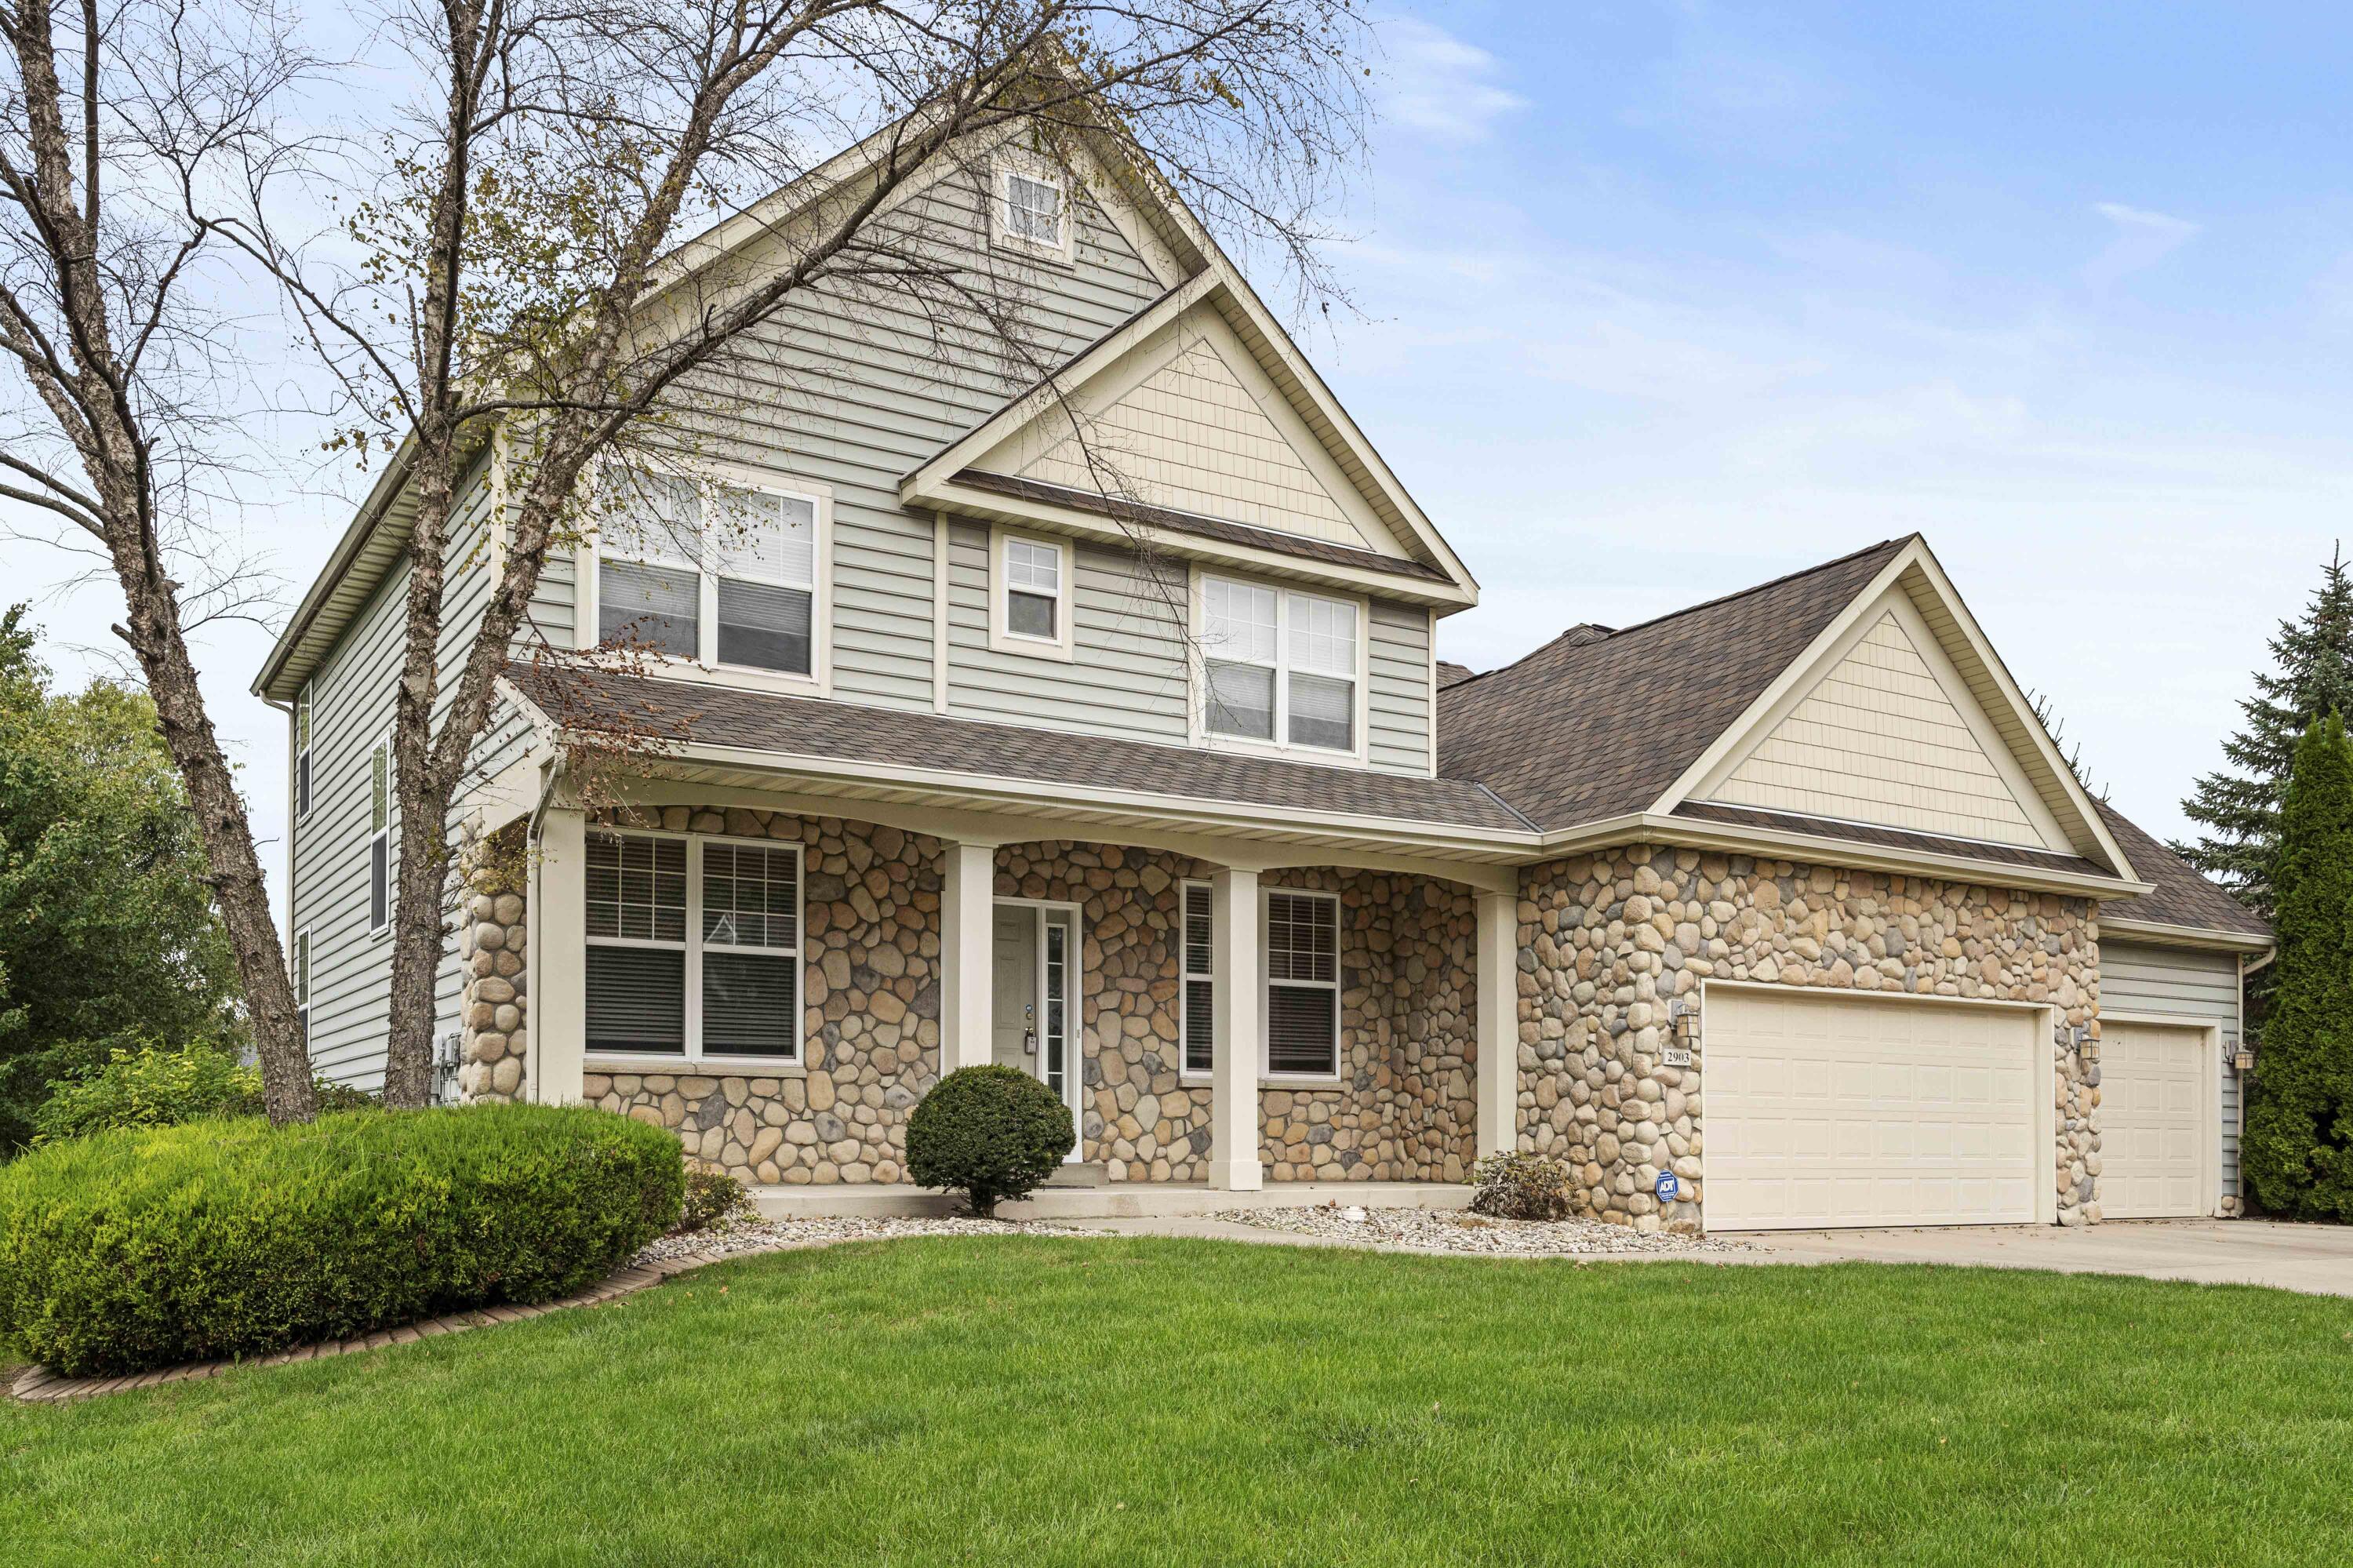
(2317, 1259)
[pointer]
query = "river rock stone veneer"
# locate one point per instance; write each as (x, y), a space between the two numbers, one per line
(493, 999)
(1608, 943)
(870, 1013)
(1405, 1105)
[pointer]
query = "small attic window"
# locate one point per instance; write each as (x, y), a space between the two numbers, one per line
(1029, 207)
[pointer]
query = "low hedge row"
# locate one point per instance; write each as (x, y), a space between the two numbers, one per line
(149, 1247)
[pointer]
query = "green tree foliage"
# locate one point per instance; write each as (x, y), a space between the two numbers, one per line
(2240, 809)
(108, 934)
(2298, 1149)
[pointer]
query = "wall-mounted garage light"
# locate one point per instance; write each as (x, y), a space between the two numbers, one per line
(1683, 1021)
(2243, 1060)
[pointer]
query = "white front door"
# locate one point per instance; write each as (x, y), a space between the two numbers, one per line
(1843, 1110)
(2153, 1127)
(1034, 1010)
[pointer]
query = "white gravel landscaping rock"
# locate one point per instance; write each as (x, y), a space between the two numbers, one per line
(1459, 1231)
(751, 1234)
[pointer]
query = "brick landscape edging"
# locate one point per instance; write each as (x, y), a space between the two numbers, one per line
(39, 1385)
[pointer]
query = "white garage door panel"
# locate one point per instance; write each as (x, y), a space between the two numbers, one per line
(2152, 1121)
(1842, 1110)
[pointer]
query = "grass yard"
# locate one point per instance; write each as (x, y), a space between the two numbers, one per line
(1040, 1401)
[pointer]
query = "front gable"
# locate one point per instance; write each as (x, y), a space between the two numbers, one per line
(1187, 420)
(1900, 716)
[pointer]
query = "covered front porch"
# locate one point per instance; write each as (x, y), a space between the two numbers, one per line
(1224, 1011)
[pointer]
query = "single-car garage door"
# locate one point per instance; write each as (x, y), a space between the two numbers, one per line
(2152, 1121)
(1848, 1110)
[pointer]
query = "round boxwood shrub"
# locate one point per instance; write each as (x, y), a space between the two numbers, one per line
(991, 1132)
(148, 1246)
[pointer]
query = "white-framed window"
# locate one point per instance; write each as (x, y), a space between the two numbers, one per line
(725, 574)
(301, 962)
(1303, 984)
(1281, 668)
(379, 844)
(1030, 595)
(1197, 1016)
(693, 947)
(302, 752)
(1029, 207)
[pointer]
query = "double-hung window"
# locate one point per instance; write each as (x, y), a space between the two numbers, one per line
(1303, 984)
(722, 574)
(379, 844)
(1030, 596)
(1279, 666)
(1197, 1020)
(302, 752)
(693, 947)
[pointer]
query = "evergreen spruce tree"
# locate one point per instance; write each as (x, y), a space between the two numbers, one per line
(2240, 809)
(2297, 1153)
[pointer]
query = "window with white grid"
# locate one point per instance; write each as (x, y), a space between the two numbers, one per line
(722, 574)
(1033, 208)
(693, 947)
(1279, 666)
(1033, 589)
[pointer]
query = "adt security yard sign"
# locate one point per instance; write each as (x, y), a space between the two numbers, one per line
(1667, 1187)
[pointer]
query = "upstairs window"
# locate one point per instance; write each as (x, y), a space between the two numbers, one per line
(725, 574)
(1280, 666)
(1030, 596)
(1303, 985)
(379, 844)
(1032, 207)
(302, 752)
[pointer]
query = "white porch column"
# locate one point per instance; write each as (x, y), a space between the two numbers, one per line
(1499, 1021)
(558, 959)
(1234, 1164)
(968, 898)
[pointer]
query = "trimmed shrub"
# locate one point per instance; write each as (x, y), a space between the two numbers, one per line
(144, 1248)
(1515, 1186)
(992, 1133)
(711, 1197)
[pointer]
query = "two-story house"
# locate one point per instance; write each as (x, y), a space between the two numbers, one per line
(1097, 727)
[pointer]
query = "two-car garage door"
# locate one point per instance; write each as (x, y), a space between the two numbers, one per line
(1849, 1110)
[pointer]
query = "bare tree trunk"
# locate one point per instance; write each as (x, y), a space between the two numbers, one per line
(72, 273)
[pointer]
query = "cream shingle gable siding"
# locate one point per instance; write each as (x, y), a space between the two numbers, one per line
(1189, 421)
(1889, 735)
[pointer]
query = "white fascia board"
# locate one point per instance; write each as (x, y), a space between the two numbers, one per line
(2159, 935)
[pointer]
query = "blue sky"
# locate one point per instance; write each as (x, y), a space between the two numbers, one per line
(1660, 300)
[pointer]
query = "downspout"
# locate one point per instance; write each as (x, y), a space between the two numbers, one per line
(286, 932)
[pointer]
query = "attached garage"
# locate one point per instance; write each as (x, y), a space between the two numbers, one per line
(1839, 1109)
(2157, 1137)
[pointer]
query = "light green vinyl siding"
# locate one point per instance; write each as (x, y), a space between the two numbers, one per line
(2183, 982)
(352, 697)
(1399, 700)
(1126, 672)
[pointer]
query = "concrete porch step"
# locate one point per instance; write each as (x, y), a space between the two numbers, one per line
(1119, 1199)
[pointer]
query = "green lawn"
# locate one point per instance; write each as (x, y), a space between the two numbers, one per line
(1032, 1402)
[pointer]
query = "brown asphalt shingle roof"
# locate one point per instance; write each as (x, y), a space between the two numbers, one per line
(2181, 896)
(1593, 724)
(814, 727)
(1890, 838)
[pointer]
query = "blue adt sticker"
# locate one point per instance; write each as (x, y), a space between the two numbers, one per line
(1668, 1187)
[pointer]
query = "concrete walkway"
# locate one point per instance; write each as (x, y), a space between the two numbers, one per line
(2316, 1259)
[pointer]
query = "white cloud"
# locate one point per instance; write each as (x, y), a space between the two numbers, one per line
(1447, 90)
(2142, 239)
